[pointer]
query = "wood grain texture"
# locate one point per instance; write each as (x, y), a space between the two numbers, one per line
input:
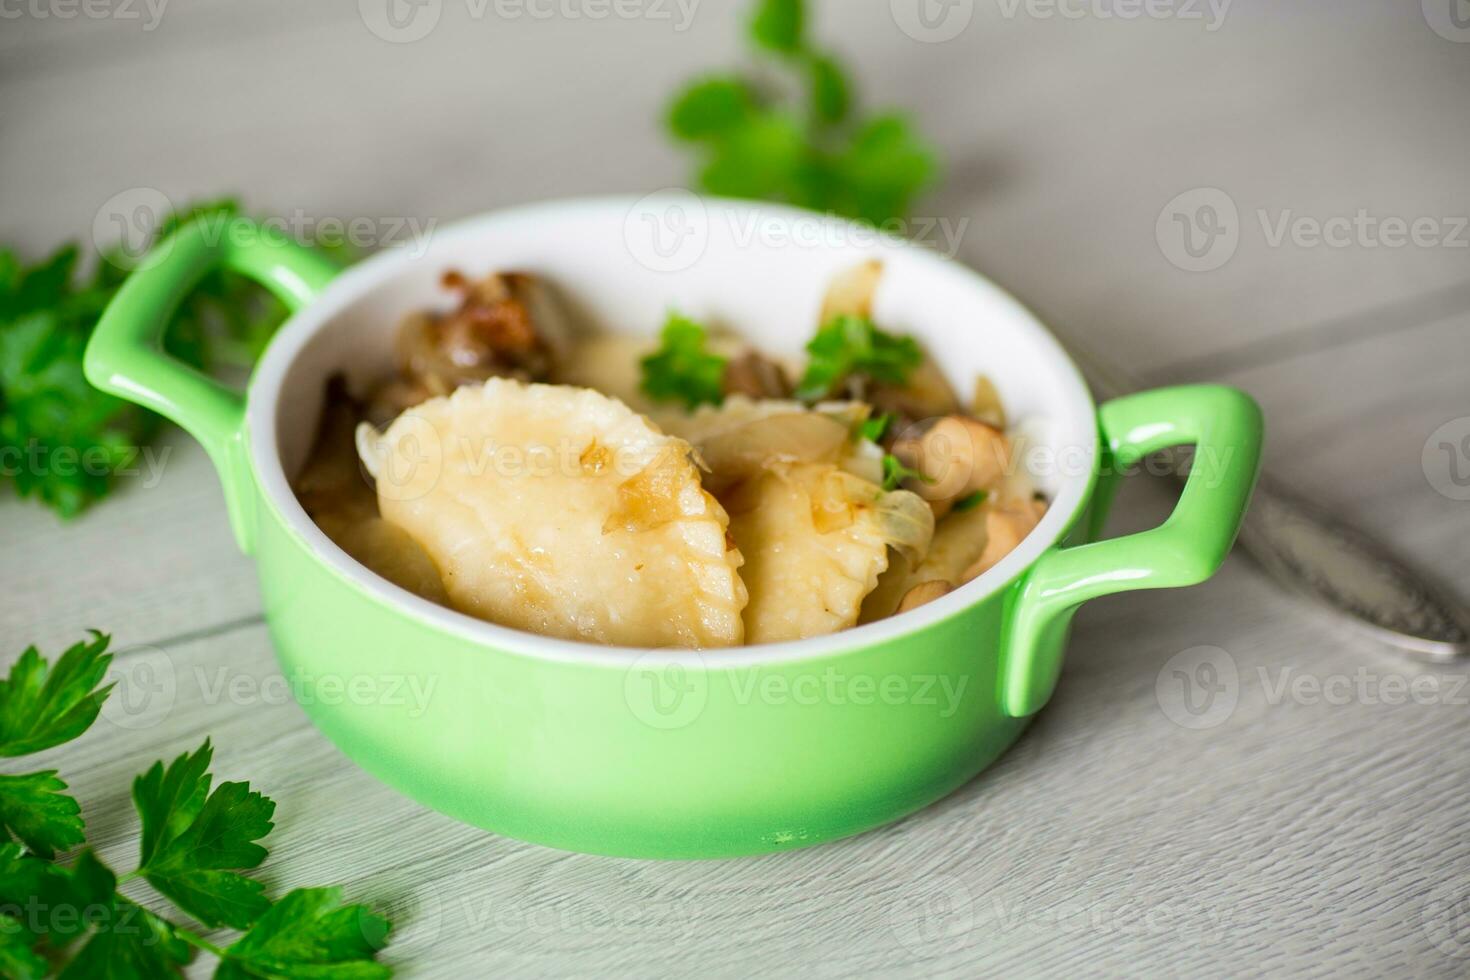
(1298, 837)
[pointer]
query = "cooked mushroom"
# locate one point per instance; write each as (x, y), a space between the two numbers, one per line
(756, 376)
(954, 455)
(504, 327)
(925, 395)
(1005, 527)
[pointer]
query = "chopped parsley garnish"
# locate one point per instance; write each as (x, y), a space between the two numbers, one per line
(970, 501)
(682, 369)
(872, 429)
(894, 473)
(853, 345)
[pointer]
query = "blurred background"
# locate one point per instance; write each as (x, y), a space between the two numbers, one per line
(1267, 194)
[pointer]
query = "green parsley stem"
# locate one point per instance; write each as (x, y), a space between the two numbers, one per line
(198, 942)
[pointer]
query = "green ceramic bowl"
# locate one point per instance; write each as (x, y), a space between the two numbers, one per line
(656, 753)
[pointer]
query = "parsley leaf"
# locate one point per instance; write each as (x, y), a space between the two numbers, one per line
(886, 166)
(682, 369)
(18, 957)
(710, 108)
(779, 25)
(193, 840)
(34, 811)
(127, 941)
(849, 345)
(41, 707)
(757, 142)
(831, 94)
(42, 901)
(969, 502)
(894, 472)
(872, 429)
(63, 441)
(309, 933)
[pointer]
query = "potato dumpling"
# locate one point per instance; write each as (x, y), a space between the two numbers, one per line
(560, 511)
(818, 538)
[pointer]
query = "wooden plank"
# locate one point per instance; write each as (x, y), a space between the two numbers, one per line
(155, 560)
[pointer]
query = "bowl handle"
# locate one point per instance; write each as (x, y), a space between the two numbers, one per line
(125, 355)
(1225, 427)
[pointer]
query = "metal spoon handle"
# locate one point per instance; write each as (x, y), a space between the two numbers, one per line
(1345, 570)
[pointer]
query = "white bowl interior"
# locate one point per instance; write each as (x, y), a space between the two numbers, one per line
(762, 273)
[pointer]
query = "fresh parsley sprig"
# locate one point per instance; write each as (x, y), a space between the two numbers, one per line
(895, 473)
(63, 441)
(71, 919)
(849, 345)
(816, 151)
(682, 368)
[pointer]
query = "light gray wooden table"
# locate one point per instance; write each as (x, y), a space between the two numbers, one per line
(1317, 829)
